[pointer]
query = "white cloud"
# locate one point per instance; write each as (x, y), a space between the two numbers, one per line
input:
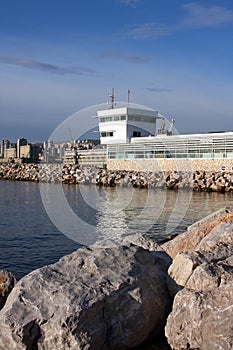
(126, 57)
(158, 89)
(197, 16)
(131, 3)
(148, 31)
(200, 16)
(43, 66)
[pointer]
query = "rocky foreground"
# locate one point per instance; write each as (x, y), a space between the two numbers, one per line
(118, 296)
(75, 174)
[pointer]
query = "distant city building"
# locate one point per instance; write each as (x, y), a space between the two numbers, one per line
(20, 142)
(21, 151)
(10, 153)
(54, 152)
(8, 150)
(2, 149)
(5, 144)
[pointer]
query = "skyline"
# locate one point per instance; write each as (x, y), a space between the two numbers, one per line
(175, 57)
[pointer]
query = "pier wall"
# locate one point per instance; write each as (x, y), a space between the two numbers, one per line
(164, 165)
(141, 175)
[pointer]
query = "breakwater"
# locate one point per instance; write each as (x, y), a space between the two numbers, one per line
(118, 296)
(75, 174)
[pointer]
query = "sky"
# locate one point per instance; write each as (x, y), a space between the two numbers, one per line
(59, 57)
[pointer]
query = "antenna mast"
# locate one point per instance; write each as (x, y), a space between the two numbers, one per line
(172, 122)
(112, 99)
(129, 96)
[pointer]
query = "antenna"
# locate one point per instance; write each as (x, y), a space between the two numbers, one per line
(71, 136)
(129, 96)
(72, 140)
(172, 122)
(163, 123)
(112, 99)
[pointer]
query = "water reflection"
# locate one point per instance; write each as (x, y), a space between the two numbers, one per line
(28, 239)
(117, 212)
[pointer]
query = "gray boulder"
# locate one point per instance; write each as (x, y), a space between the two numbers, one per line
(216, 246)
(180, 271)
(7, 283)
(188, 241)
(95, 298)
(202, 313)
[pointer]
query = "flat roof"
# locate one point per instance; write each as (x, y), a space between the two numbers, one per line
(127, 111)
(210, 136)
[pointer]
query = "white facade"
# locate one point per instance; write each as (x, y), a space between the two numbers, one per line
(204, 146)
(119, 125)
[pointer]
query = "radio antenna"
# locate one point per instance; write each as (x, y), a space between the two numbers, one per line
(112, 99)
(129, 96)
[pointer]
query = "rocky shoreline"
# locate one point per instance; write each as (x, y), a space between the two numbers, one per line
(128, 295)
(75, 174)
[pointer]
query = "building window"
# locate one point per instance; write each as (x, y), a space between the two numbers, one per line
(136, 133)
(113, 118)
(106, 134)
(141, 118)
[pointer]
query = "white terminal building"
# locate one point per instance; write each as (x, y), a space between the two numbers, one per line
(120, 125)
(130, 132)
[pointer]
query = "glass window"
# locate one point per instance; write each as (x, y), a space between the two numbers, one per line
(136, 133)
(106, 134)
(139, 118)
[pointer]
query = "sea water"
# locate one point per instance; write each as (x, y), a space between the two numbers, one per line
(31, 235)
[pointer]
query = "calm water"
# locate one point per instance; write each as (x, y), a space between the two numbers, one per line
(29, 238)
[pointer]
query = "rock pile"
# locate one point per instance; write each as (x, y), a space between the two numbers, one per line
(95, 298)
(202, 269)
(7, 283)
(75, 174)
(31, 172)
(217, 182)
(115, 297)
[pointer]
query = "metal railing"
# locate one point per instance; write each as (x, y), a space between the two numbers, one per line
(217, 145)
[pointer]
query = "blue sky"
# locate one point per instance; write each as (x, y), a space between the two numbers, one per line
(57, 57)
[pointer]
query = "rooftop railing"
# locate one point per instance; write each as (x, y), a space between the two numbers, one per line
(203, 146)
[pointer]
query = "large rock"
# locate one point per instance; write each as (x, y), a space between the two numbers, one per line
(216, 246)
(187, 241)
(96, 299)
(202, 313)
(7, 282)
(180, 271)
